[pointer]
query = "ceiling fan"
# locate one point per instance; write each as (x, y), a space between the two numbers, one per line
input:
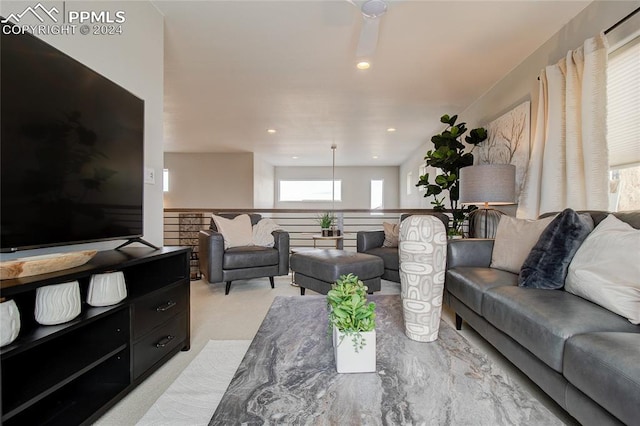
(372, 11)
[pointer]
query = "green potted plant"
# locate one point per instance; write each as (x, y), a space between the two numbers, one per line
(352, 318)
(326, 221)
(449, 156)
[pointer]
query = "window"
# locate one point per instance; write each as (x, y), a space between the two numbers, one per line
(623, 126)
(377, 194)
(409, 183)
(309, 190)
(165, 180)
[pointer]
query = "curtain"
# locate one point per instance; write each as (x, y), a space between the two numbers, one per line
(569, 162)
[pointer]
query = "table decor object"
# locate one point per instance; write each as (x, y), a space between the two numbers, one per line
(57, 304)
(352, 320)
(42, 264)
(106, 289)
(9, 321)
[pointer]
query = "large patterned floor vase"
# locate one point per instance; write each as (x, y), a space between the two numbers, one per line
(423, 256)
(57, 304)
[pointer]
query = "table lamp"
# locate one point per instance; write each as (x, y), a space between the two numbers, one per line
(487, 184)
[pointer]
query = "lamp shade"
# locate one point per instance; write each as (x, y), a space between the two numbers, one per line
(488, 184)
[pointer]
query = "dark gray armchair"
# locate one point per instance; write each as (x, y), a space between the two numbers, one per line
(370, 242)
(239, 263)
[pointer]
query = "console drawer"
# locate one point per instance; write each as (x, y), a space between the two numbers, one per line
(158, 343)
(157, 308)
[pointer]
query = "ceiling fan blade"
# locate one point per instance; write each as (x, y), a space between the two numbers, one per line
(368, 37)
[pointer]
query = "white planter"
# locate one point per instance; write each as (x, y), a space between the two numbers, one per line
(9, 322)
(350, 361)
(106, 289)
(57, 304)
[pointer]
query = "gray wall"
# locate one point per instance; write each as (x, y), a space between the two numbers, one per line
(356, 185)
(134, 60)
(209, 180)
(521, 84)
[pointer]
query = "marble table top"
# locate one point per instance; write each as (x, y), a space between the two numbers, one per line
(288, 376)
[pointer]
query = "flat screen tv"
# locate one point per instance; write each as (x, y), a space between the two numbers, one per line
(71, 150)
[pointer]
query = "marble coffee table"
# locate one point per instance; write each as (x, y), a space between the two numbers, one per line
(288, 376)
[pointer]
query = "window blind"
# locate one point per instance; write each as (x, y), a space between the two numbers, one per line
(623, 105)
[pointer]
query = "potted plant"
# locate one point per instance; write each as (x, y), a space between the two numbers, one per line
(352, 322)
(449, 156)
(326, 220)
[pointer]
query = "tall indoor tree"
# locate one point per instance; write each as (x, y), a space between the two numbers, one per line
(449, 156)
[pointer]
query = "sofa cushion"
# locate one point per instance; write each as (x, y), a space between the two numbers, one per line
(606, 367)
(389, 256)
(547, 264)
(611, 281)
(249, 256)
(542, 320)
(514, 240)
(468, 284)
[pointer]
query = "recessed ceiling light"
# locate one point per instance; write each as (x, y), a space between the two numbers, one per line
(271, 130)
(363, 65)
(391, 129)
(295, 157)
(375, 157)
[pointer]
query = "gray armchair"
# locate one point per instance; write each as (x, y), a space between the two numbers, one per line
(370, 242)
(236, 263)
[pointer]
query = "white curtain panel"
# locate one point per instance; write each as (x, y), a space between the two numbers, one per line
(569, 162)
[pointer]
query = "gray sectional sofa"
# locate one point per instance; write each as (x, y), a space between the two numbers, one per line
(584, 356)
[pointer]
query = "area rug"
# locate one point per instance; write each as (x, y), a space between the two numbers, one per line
(194, 395)
(288, 377)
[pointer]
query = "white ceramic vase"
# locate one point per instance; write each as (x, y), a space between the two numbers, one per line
(106, 289)
(57, 304)
(9, 322)
(350, 361)
(423, 257)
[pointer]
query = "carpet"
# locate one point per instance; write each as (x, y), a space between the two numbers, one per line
(194, 395)
(288, 377)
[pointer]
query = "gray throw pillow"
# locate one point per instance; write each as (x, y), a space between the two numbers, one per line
(547, 264)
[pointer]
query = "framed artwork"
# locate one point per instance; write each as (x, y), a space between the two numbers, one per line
(508, 142)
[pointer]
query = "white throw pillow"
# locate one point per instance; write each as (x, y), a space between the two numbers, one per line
(606, 268)
(514, 240)
(236, 232)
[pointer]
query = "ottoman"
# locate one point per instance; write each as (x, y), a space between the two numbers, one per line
(318, 269)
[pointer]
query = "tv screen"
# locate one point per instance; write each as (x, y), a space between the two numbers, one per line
(71, 150)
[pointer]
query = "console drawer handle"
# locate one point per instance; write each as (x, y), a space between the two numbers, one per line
(170, 304)
(164, 342)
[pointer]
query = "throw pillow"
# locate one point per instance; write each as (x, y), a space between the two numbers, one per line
(514, 240)
(236, 232)
(391, 234)
(606, 268)
(263, 232)
(547, 264)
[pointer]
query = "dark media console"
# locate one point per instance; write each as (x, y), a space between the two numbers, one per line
(73, 373)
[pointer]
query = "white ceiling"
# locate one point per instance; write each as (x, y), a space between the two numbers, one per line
(236, 68)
